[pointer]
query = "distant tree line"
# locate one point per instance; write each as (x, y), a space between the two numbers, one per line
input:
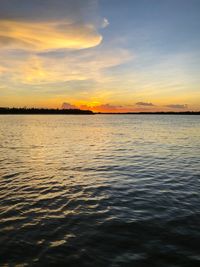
(5, 110)
(154, 113)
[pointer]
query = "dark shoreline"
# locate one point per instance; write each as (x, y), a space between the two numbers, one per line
(43, 111)
(151, 113)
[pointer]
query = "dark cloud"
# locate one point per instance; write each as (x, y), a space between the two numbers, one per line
(109, 107)
(177, 106)
(145, 104)
(106, 108)
(48, 9)
(68, 106)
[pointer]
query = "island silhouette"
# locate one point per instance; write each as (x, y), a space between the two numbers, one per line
(5, 110)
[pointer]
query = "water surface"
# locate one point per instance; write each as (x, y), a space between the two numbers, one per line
(101, 190)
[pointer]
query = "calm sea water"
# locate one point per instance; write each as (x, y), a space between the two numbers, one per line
(100, 190)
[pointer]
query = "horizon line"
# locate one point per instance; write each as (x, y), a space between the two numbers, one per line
(25, 110)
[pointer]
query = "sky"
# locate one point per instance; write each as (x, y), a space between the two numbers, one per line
(103, 55)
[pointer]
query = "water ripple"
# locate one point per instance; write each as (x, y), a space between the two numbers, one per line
(99, 191)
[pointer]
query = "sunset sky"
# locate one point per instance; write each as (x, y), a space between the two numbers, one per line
(104, 55)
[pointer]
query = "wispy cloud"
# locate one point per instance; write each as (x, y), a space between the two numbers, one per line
(43, 36)
(84, 65)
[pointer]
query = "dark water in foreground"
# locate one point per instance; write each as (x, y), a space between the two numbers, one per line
(100, 190)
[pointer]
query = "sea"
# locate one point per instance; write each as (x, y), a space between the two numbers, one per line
(100, 190)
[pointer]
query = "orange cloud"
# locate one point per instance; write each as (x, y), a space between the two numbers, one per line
(42, 36)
